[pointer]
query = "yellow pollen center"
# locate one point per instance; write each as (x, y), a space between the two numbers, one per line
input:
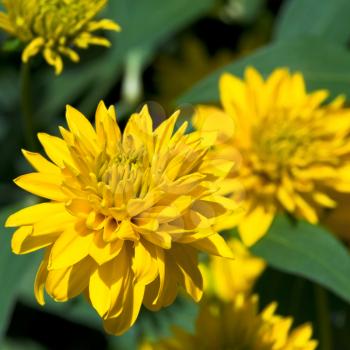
(277, 141)
(52, 19)
(127, 171)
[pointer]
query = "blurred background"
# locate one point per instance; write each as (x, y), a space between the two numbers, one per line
(171, 52)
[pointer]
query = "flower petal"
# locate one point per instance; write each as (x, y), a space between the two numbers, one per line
(186, 260)
(256, 224)
(213, 244)
(67, 283)
(41, 164)
(40, 279)
(43, 185)
(23, 242)
(69, 249)
(34, 213)
(56, 149)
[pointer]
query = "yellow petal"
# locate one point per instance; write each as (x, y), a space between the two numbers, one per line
(127, 318)
(137, 205)
(78, 123)
(41, 164)
(103, 252)
(40, 280)
(186, 260)
(324, 200)
(306, 210)
(6, 24)
(71, 54)
(80, 126)
(286, 198)
(160, 239)
(256, 224)
(56, 149)
(106, 283)
(139, 129)
(23, 242)
(79, 207)
(196, 236)
(164, 132)
(43, 185)
(212, 119)
(155, 290)
(144, 263)
(53, 59)
(56, 223)
(103, 24)
(107, 129)
(99, 292)
(32, 49)
(34, 213)
(67, 283)
(161, 213)
(234, 99)
(215, 245)
(69, 249)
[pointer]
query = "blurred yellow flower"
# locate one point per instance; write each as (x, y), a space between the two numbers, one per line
(126, 216)
(293, 147)
(55, 27)
(226, 279)
(238, 325)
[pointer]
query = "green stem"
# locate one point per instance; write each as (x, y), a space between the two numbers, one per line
(26, 107)
(323, 317)
(296, 295)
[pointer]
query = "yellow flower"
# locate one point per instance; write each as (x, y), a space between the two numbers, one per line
(227, 278)
(292, 146)
(55, 27)
(238, 325)
(126, 216)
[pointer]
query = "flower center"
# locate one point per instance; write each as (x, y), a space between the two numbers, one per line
(70, 8)
(126, 172)
(278, 141)
(55, 18)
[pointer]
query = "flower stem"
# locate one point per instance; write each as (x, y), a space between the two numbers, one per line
(323, 317)
(26, 107)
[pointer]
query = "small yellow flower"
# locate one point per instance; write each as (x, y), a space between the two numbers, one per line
(292, 146)
(239, 325)
(55, 27)
(225, 278)
(126, 216)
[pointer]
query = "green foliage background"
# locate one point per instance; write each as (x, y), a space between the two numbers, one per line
(309, 272)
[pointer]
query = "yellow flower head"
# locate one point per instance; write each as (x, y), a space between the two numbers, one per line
(55, 27)
(238, 325)
(226, 279)
(126, 216)
(293, 148)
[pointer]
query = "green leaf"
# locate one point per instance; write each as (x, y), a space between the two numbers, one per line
(309, 251)
(12, 269)
(324, 65)
(145, 24)
(20, 345)
(323, 18)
